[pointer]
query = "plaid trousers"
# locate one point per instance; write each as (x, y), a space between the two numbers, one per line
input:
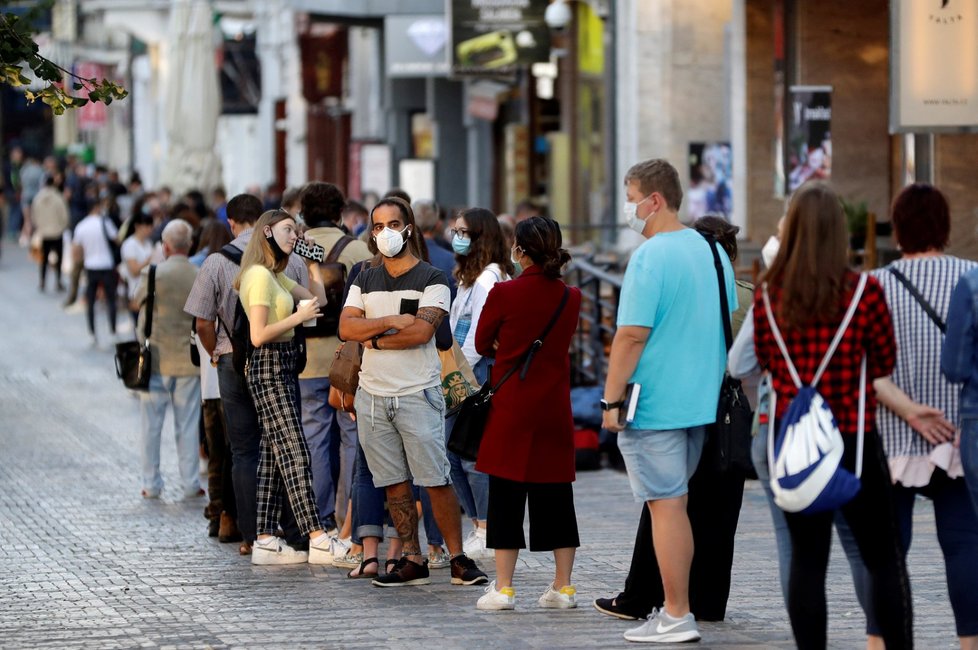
(284, 456)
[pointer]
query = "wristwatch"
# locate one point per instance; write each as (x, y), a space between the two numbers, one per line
(611, 406)
(374, 340)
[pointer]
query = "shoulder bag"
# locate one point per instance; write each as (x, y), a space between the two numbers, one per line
(133, 360)
(926, 306)
(470, 424)
(728, 442)
(344, 375)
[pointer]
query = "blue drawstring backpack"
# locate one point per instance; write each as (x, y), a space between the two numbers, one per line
(806, 454)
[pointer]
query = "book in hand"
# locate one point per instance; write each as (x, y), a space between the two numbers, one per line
(626, 414)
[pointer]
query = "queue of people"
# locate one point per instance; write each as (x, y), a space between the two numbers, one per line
(296, 480)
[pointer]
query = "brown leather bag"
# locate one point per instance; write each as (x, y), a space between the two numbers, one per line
(344, 375)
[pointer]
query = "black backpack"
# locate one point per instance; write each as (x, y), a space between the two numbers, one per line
(334, 282)
(240, 332)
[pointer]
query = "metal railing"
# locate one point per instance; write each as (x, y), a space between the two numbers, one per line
(600, 287)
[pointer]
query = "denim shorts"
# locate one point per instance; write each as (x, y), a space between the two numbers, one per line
(404, 437)
(660, 462)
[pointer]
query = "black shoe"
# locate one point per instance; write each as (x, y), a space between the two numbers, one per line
(404, 573)
(609, 607)
(213, 527)
(466, 572)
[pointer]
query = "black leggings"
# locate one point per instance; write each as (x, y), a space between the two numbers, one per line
(109, 282)
(872, 518)
(49, 246)
(553, 522)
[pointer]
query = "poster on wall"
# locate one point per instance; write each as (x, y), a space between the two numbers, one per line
(809, 146)
(496, 37)
(710, 180)
(933, 63)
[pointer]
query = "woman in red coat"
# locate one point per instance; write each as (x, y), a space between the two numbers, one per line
(528, 446)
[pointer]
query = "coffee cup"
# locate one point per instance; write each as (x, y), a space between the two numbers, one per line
(312, 321)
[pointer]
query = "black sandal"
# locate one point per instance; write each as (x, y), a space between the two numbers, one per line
(389, 564)
(363, 565)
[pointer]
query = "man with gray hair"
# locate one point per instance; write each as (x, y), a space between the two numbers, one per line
(174, 380)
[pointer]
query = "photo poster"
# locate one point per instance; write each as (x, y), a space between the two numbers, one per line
(710, 180)
(496, 37)
(809, 150)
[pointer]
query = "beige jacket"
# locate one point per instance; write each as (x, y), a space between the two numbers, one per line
(170, 339)
(321, 351)
(49, 212)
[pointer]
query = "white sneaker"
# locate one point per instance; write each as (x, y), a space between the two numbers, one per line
(474, 545)
(494, 600)
(562, 599)
(275, 551)
(662, 628)
(325, 552)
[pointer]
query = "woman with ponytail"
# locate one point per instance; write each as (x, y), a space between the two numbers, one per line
(268, 297)
(528, 446)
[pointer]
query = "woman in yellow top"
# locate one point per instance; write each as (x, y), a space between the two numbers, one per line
(268, 298)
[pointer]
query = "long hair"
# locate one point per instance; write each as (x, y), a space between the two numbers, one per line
(415, 243)
(488, 247)
(259, 251)
(811, 264)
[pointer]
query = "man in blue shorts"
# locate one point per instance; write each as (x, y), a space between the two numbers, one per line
(669, 342)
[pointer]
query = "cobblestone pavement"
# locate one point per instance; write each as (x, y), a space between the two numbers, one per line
(86, 562)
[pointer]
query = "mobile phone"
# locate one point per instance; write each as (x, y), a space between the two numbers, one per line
(309, 250)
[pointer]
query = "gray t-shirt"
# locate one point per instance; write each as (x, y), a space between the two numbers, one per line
(392, 373)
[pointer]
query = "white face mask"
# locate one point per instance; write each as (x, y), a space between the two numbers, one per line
(770, 251)
(513, 257)
(632, 220)
(390, 242)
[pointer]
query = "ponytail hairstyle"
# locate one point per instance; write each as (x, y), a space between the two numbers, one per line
(415, 243)
(540, 240)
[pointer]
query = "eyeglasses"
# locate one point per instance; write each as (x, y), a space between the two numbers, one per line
(461, 232)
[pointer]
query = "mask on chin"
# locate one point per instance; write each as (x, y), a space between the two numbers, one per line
(276, 249)
(770, 251)
(390, 242)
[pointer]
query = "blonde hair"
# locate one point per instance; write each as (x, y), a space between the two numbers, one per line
(259, 251)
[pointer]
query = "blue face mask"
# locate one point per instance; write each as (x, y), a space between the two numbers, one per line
(460, 245)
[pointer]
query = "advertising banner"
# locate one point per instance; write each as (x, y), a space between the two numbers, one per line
(495, 37)
(414, 46)
(809, 150)
(710, 180)
(934, 64)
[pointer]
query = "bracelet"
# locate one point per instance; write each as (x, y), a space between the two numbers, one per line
(376, 342)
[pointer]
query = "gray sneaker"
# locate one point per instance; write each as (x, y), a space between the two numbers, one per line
(662, 628)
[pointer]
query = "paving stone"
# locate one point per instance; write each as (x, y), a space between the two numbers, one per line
(86, 562)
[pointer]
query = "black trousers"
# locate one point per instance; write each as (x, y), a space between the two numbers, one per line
(871, 516)
(553, 521)
(49, 246)
(109, 281)
(713, 506)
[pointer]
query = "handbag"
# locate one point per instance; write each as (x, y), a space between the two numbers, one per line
(466, 436)
(457, 378)
(728, 442)
(133, 360)
(344, 375)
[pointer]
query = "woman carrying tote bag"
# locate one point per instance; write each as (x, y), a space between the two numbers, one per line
(528, 444)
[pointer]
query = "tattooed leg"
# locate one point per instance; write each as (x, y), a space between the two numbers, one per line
(400, 501)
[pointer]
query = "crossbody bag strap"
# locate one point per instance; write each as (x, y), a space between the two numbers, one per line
(528, 355)
(150, 299)
(724, 305)
(926, 306)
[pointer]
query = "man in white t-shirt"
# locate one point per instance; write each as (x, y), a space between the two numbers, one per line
(394, 309)
(90, 246)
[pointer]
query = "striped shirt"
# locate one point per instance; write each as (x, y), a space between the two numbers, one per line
(213, 296)
(918, 365)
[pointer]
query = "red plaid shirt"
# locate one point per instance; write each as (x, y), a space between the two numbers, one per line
(870, 333)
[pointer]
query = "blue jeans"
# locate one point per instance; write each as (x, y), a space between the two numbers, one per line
(348, 456)
(320, 430)
(183, 395)
(471, 485)
(969, 456)
(244, 437)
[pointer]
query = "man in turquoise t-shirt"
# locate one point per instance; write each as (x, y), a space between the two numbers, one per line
(670, 342)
